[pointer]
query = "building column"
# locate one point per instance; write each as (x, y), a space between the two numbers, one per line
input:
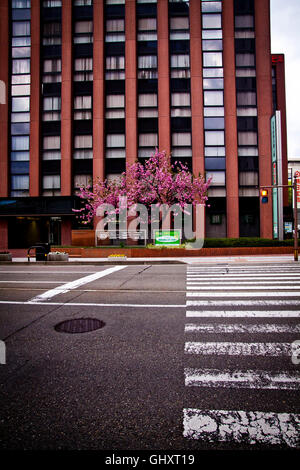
(232, 170)
(130, 82)
(264, 108)
(3, 234)
(98, 92)
(196, 87)
(35, 98)
(4, 83)
(66, 231)
(164, 127)
(66, 100)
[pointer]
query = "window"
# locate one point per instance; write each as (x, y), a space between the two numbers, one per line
(51, 33)
(212, 59)
(214, 138)
(180, 104)
(179, 28)
(216, 219)
(115, 30)
(115, 107)
(20, 4)
(79, 3)
(180, 66)
(83, 32)
(213, 98)
(147, 65)
(211, 21)
(52, 71)
(218, 177)
(51, 3)
(147, 29)
(181, 139)
(248, 178)
(51, 108)
(20, 142)
(115, 68)
(21, 28)
(51, 148)
(19, 182)
(51, 185)
(246, 98)
(213, 83)
(212, 45)
(83, 147)
(245, 60)
(247, 138)
(21, 66)
(244, 21)
(115, 146)
(83, 69)
(147, 105)
(82, 107)
(20, 104)
(214, 123)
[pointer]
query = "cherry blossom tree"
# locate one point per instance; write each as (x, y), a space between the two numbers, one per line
(155, 182)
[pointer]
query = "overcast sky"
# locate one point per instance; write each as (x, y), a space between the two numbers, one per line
(285, 37)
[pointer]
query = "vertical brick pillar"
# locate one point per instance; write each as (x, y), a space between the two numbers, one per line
(164, 127)
(98, 92)
(35, 98)
(196, 87)
(232, 172)
(4, 83)
(130, 82)
(66, 231)
(264, 107)
(3, 234)
(66, 100)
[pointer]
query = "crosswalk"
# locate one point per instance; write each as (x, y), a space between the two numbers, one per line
(237, 318)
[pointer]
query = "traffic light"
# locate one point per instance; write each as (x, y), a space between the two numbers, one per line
(264, 196)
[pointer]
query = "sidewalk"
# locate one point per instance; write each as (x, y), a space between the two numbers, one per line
(180, 260)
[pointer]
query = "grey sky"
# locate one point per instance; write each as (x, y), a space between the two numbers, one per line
(285, 39)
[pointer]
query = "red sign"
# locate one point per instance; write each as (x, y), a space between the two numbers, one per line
(274, 174)
(297, 174)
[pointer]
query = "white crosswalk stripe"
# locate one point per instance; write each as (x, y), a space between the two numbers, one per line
(224, 301)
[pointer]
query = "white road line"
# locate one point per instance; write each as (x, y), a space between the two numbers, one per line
(225, 283)
(244, 427)
(47, 272)
(239, 349)
(242, 303)
(90, 304)
(242, 294)
(244, 313)
(255, 379)
(257, 287)
(239, 276)
(32, 282)
(74, 284)
(241, 328)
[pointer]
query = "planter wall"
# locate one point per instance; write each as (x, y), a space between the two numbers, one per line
(174, 252)
(6, 257)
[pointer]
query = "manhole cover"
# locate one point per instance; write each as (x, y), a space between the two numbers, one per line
(79, 325)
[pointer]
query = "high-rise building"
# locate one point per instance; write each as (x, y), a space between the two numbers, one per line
(93, 84)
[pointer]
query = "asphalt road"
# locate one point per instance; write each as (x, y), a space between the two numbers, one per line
(189, 358)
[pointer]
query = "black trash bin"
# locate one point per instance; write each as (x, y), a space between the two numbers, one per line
(41, 251)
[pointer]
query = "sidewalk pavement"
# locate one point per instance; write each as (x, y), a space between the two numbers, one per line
(180, 260)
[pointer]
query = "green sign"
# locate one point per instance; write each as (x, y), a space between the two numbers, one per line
(167, 237)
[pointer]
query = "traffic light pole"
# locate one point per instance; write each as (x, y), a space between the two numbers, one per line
(295, 212)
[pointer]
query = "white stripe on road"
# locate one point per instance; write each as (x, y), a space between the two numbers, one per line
(241, 328)
(244, 427)
(255, 379)
(241, 303)
(91, 304)
(240, 349)
(244, 313)
(242, 294)
(241, 288)
(213, 277)
(225, 283)
(74, 284)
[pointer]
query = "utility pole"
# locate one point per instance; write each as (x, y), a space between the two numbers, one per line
(294, 186)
